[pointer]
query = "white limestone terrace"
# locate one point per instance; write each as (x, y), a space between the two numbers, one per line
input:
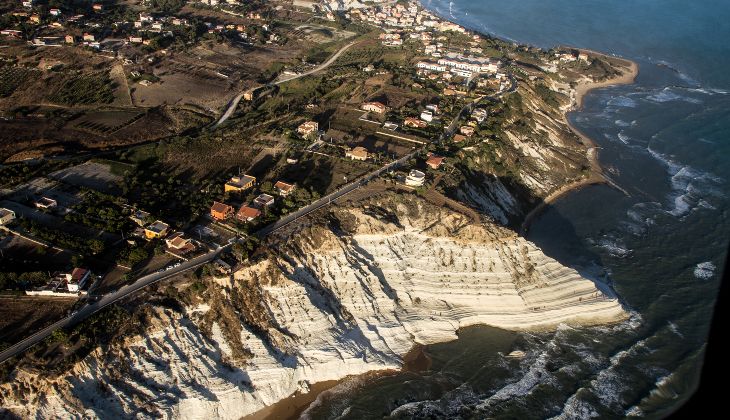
(338, 302)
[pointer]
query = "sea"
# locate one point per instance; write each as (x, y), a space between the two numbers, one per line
(665, 140)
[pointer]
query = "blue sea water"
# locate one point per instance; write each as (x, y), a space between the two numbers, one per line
(666, 141)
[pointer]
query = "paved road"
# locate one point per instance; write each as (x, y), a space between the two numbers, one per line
(145, 281)
(234, 103)
(326, 200)
(106, 300)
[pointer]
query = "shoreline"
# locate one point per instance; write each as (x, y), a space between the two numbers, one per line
(417, 359)
(596, 175)
(292, 407)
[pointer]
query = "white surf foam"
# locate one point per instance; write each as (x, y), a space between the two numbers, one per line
(705, 270)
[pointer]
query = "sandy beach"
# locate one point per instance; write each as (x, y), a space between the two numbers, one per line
(596, 175)
(416, 360)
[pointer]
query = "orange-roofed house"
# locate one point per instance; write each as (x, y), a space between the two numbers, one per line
(434, 161)
(221, 211)
(376, 107)
(358, 153)
(247, 214)
(414, 122)
(178, 244)
(283, 188)
(458, 138)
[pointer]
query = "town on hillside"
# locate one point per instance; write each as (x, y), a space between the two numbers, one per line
(150, 139)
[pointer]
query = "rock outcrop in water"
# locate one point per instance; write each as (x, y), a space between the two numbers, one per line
(351, 292)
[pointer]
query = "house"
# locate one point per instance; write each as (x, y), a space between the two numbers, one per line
(78, 279)
(308, 128)
(35, 18)
(434, 161)
(583, 56)
(427, 65)
(263, 201)
(6, 216)
(458, 138)
(239, 183)
(97, 7)
(414, 122)
(220, 211)
(55, 12)
(433, 108)
(247, 214)
(11, 32)
(376, 107)
(283, 188)
(89, 37)
(158, 229)
(357, 153)
(46, 203)
(427, 116)
(70, 39)
(415, 178)
(135, 39)
(140, 217)
(177, 243)
(466, 130)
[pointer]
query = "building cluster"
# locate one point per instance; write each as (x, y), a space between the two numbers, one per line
(56, 27)
(64, 284)
(176, 243)
(248, 212)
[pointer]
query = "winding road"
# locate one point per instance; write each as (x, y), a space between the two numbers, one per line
(142, 282)
(234, 103)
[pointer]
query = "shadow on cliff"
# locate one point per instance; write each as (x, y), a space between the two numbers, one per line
(553, 232)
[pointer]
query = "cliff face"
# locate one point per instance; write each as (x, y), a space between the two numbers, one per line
(351, 293)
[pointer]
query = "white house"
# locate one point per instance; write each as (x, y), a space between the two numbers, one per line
(427, 116)
(415, 178)
(6, 216)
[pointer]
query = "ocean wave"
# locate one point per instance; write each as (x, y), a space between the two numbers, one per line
(612, 244)
(675, 329)
(667, 94)
(705, 270)
(692, 189)
(634, 411)
(623, 137)
(622, 101)
(622, 123)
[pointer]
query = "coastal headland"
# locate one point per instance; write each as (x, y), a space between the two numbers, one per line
(402, 150)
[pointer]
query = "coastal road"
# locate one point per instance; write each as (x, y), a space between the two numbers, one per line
(234, 103)
(108, 299)
(145, 281)
(328, 199)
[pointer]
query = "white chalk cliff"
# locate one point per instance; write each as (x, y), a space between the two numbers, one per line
(346, 295)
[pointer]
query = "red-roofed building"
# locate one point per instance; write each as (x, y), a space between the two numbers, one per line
(376, 107)
(221, 211)
(434, 161)
(247, 214)
(284, 188)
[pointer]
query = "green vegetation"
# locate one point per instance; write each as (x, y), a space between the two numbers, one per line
(22, 281)
(63, 239)
(11, 77)
(100, 211)
(85, 89)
